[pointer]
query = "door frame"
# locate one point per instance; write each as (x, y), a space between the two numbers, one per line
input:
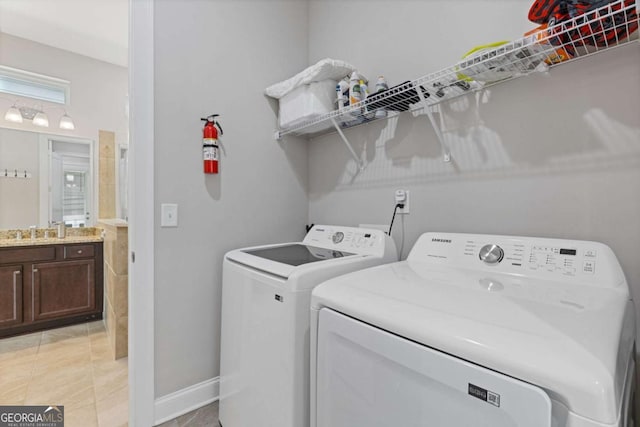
(141, 214)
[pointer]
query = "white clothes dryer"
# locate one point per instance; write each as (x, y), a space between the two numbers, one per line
(476, 330)
(266, 293)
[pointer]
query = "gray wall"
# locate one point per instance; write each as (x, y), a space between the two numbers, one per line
(218, 57)
(554, 156)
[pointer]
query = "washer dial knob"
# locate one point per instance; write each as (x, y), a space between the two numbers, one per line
(491, 254)
(337, 237)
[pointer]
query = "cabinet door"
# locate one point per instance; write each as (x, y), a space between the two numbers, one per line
(63, 288)
(10, 295)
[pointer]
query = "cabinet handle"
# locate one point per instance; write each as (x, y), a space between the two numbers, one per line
(79, 251)
(35, 270)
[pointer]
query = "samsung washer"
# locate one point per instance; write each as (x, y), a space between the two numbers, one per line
(477, 330)
(266, 292)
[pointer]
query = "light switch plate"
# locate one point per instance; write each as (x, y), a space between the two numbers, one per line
(169, 215)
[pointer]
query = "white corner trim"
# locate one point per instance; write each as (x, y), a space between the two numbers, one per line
(141, 215)
(186, 400)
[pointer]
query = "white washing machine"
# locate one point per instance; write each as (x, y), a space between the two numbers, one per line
(476, 330)
(266, 293)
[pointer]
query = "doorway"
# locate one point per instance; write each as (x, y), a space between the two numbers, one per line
(66, 181)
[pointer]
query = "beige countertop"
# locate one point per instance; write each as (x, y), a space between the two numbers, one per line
(73, 235)
(4, 243)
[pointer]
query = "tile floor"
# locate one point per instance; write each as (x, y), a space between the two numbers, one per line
(206, 416)
(70, 366)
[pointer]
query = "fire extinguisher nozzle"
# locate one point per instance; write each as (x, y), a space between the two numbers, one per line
(210, 118)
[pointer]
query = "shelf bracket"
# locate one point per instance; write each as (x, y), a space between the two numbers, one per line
(446, 153)
(346, 142)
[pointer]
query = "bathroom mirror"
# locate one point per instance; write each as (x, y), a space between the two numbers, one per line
(46, 178)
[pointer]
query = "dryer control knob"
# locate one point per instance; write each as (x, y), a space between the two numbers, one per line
(491, 254)
(337, 237)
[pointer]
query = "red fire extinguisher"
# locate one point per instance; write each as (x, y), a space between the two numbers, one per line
(210, 144)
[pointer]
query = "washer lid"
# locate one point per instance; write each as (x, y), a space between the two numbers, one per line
(284, 259)
(322, 243)
(569, 339)
(296, 254)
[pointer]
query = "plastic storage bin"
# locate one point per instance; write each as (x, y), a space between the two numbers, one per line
(307, 102)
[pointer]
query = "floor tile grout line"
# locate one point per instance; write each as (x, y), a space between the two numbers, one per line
(95, 362)
(93, 381)
(33, 368)
(93, 377)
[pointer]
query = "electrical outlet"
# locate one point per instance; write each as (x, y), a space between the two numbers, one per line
(168, 215)
(402, 196)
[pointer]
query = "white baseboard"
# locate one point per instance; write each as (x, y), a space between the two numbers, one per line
(186, 400)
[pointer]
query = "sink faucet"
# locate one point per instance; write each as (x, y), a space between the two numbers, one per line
(33, 230)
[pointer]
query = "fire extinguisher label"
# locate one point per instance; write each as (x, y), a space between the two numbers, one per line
(210, 152)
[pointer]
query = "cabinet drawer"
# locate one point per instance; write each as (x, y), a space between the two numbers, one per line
(19, 255)
(78, 251)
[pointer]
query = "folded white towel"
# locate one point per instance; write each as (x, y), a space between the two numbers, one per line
(327, 68)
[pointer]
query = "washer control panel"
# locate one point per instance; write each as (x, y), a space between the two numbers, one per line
(348, 239)
(558, 259)
(549, 258)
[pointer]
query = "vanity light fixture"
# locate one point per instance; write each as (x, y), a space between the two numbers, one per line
(19, 84)
(38, 117)
(13, 114)
(66, 122)
(41, 119)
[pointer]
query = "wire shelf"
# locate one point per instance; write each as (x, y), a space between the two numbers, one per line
(612, 25)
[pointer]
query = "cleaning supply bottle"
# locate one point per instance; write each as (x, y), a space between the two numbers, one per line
(381, 86)
(342, 89)
(364, 91)
(355, 95)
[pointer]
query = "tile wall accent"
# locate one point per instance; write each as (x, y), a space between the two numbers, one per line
(116, 270)
(107, 174)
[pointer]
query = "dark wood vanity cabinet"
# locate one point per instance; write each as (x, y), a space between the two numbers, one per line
(47, 286)
(10, 295)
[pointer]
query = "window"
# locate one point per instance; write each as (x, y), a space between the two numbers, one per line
(32, 85)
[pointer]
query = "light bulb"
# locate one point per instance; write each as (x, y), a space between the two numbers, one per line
(66, 123)
(13, 115)
(41, 119)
